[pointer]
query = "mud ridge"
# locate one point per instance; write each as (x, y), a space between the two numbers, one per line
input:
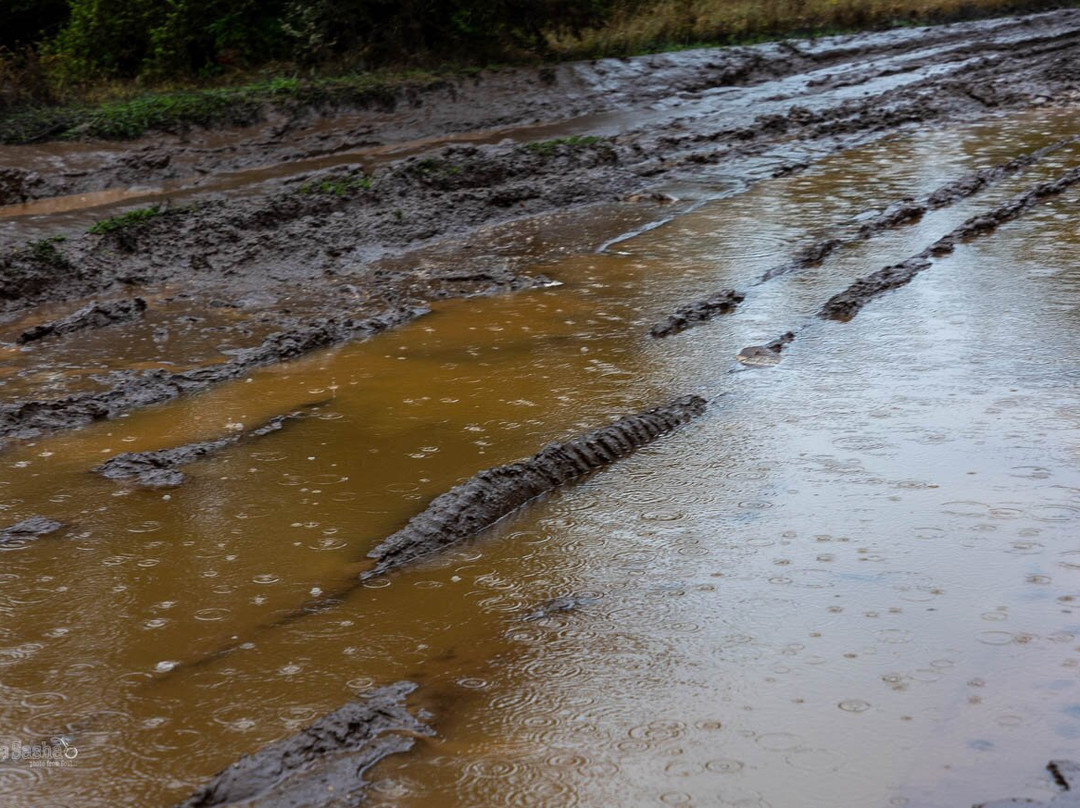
(28, 419)
(700, 311)
(324, 763)
(494, 493)
(848, 303)
(92, 315)
(32, 528)
(159, 469)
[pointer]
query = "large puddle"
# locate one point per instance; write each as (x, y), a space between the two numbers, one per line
(850, 583)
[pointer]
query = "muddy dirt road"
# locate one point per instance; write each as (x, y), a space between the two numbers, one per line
(834, 562)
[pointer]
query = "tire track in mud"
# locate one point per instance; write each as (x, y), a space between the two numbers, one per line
(845, 305)
(899, 213)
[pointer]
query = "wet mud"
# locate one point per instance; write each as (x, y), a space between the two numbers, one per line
(131, 389)
(160, 469)
(94, 315)
(906, 211)
(559, 605)
(31, 528)
(325, 763)
(862, 228)
(700, 311)
(495, 493)
(765, 355)
(1066, 775)
(616, 130)
(848, 303)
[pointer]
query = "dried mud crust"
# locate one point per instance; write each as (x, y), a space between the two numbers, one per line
(687, 116)
(324, 763)
(488, 496)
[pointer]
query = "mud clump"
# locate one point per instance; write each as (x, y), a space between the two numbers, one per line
(323, 763)
(488, 496)
(93, 315)
(765, 355)
(564, 603)
(1066, 774)
(848, 303)
(700, 311)
(160, 469)
(32, 528)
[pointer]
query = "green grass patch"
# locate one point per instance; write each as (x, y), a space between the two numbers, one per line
(340, 186)
(131, 116)
(123, 221)
(45, 251)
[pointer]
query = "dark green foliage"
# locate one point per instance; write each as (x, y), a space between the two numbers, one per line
(123, 221)
(338, 186)
(26, 22)
(45, 251)
(173, 38)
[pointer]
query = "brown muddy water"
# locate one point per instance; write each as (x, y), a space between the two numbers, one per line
(853, 582)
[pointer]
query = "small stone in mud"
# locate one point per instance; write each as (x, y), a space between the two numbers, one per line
(93, 315)
(323, 764)
(1066, 774)
(655, 196)
(31, 528)
(565, 603)
(699, 311)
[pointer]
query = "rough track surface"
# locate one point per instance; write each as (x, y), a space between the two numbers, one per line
(491, 494)
(329, 235)
(326, 760)
(909, 210)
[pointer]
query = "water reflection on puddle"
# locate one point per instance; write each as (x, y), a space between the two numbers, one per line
(852, 582)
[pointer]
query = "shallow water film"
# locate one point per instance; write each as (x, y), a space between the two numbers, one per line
(853, 581)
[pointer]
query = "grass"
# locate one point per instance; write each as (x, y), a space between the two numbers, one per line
(126, 220)
(125, 113)
(125, 110)
(45, 251)
(662, 25)
(341, 186)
